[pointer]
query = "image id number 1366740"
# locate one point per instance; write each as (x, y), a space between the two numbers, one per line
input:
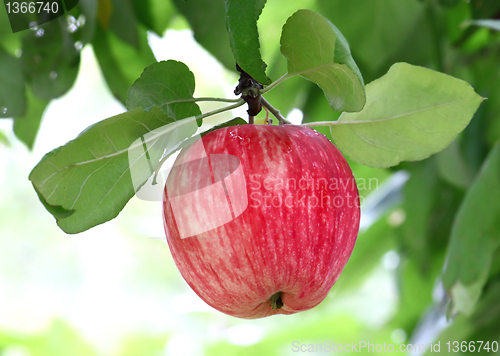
(472, 346)
(32, 7)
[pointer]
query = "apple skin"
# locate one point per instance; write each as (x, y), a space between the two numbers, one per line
(279, 240)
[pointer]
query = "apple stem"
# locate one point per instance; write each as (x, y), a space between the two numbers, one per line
(268, 120)
(276, 302)
(266, 104)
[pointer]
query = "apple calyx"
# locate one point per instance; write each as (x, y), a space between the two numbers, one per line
(276, 302)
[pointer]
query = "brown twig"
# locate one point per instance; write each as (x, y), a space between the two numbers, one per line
(249, 89)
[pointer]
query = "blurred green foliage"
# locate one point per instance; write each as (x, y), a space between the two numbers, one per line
(59, 339)
(35, 69)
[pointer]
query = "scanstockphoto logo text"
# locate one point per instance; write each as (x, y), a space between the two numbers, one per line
(418, 349)
(267, 191)
(355, 347)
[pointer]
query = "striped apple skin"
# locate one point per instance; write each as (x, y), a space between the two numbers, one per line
(293, 208)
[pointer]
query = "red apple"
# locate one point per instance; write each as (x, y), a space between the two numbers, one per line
(261, 219)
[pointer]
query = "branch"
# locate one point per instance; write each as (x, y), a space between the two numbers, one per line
(239, 103)
(193, 100)
(275, 83)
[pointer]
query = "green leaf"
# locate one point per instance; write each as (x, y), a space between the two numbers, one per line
(26, 126)
(475, 237)
(51, 61)
(12, 95)
(491, 24)
(208, 22)
(241, 22)
(376, 30)
(87, 181)
(292, 92)
(410, 114)
(316, 50)
(121, 63)
(154, 14)
(163, 84)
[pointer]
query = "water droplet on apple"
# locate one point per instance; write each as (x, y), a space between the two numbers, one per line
(53, 75)
(3, 110)
(243, 140)
(40, 32)
(78, 45)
